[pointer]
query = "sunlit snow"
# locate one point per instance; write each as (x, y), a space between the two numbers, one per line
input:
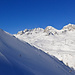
(59, 43)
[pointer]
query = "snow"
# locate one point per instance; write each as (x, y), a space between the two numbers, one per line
(60, 45)
(20, 58)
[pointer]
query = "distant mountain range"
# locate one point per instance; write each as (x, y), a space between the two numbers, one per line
(49, 30)
(59, 43)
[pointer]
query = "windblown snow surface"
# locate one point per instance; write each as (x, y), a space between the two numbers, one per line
(20, 58)
(59, 43)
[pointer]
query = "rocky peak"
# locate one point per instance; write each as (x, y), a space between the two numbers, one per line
(50, 30)
(69, 27)
(26, 30)
(20, 32)
(29, 31)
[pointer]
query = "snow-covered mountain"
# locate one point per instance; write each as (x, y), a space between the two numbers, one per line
(69, 27)
(20, 58)
(59, 43)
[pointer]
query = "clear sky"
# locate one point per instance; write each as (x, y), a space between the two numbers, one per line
(16, 15)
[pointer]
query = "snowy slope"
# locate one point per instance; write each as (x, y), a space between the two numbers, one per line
(59, 43)
(19, 58)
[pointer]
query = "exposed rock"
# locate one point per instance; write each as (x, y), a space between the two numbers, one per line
(26, 30)
(69, 27)
(20, 32)
(64, 31)
(50, 30)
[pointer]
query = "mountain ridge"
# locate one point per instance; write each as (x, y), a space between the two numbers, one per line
(50, 29)
(59, 43)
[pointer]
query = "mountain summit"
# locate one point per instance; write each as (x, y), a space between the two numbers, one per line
(50, 30)
(69, 27)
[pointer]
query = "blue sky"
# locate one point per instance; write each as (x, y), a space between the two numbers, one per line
(16, 15)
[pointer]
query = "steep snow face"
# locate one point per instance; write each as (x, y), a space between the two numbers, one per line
(60, 45)
(19, 58)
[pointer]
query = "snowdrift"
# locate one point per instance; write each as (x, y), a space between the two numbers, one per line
(19, 58)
